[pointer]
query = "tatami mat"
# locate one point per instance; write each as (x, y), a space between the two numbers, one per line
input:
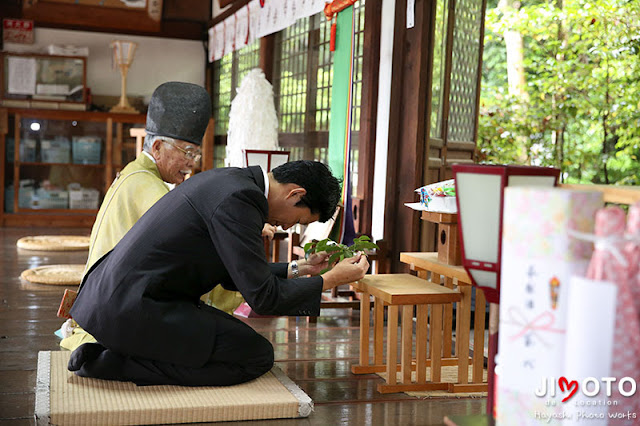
(64, 398)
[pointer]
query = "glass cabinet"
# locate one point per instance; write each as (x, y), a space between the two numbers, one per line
(59, 164)
(43, 81)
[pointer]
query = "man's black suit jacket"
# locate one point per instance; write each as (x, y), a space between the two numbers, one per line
(142, 298)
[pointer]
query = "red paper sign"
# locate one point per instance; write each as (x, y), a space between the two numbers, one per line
(17, 31)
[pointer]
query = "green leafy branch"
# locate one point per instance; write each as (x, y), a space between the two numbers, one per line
(338, 252)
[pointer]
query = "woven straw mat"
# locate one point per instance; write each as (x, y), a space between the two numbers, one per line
(54, 274)
(448, 374)
(54, 242)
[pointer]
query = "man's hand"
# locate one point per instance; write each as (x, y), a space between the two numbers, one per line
(268, 231)
(347, 271)
(314, 263)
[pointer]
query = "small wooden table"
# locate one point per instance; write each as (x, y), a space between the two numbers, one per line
(408, 291)
(425, 263)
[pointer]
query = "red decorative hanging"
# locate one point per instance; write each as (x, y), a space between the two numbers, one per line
(246, 40)
(331, 11)
(235, 24)
(224, 36)
(332, 40)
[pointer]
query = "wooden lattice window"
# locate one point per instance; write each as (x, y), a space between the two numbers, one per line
(358, 55)
(303, 78)
(228, 73)
(464, 70)
(457, 42)
(302, 87)
(302, 81)
(358, 59)
(246, 59)
(439, 62)
(221, 96)
(291, 81)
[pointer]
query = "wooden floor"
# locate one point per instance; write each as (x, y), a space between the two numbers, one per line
(317, 356)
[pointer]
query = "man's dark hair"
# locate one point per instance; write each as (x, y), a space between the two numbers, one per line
(323, 189)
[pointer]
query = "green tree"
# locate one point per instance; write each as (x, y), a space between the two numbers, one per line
(582, 73)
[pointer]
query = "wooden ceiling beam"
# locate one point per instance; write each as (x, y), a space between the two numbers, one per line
(181, 19)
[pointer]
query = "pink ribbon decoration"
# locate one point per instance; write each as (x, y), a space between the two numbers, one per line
(543, 322)
(605, 266)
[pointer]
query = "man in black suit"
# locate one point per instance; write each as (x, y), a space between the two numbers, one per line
(141, 301)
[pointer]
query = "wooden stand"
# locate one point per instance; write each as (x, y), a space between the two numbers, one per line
(124, 63)
(429, 263)
(404, 293)
(448, 237)
(138, 133)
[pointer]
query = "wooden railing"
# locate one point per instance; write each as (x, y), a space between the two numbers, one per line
(612, 193)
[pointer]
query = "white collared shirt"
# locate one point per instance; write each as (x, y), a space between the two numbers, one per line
(150, 156)
(169, 185)
(266, 183)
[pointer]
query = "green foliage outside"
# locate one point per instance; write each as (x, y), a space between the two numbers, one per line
(337, 251)
(581, 112)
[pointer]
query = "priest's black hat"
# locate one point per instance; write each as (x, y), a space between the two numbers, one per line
(180, 111)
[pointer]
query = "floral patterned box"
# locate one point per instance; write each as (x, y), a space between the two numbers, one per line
(539, 256)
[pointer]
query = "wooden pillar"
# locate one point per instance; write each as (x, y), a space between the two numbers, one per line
(267, 46)
(368, 112)
(207, 159)
(407, 129)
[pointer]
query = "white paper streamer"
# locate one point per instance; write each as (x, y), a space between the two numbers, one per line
(229, 35)
(254, 19)
(259, 21)
(304, 8)
(216, 42)
(242, 27)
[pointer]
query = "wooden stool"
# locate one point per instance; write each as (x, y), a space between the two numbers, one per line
(424, 263)
(408, 291)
